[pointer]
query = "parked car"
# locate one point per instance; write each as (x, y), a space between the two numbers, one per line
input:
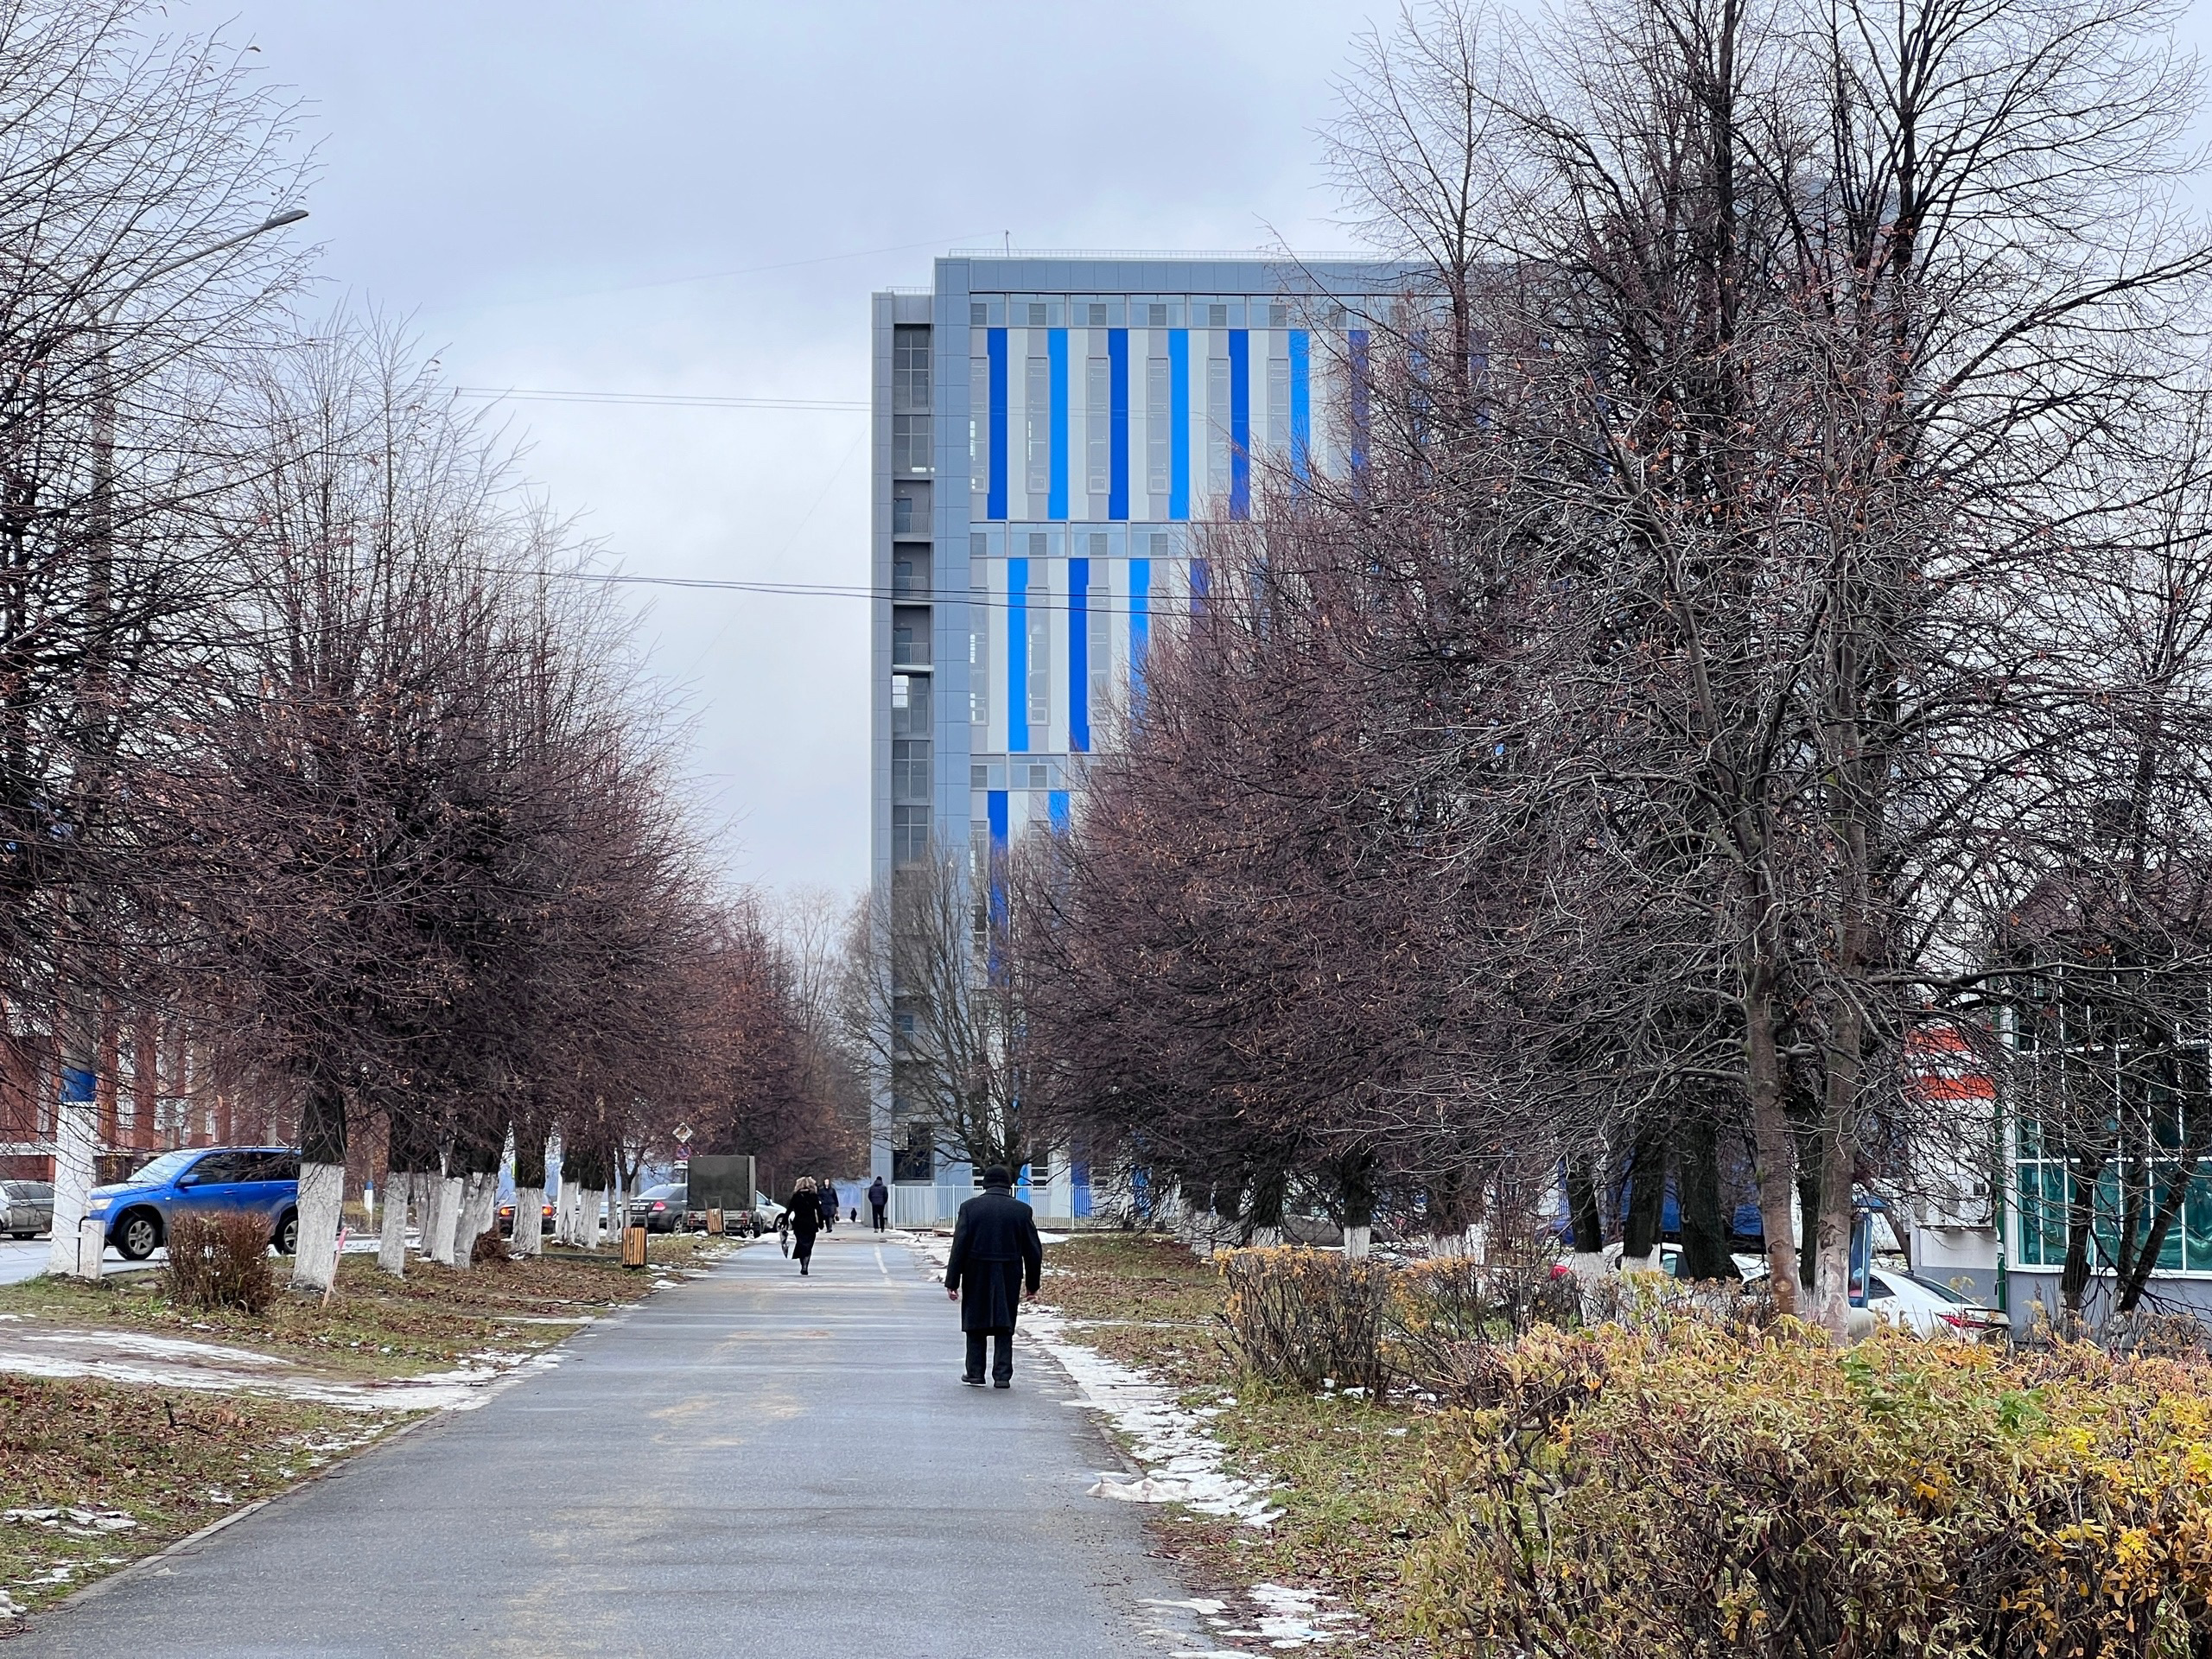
(767, 1214)
(662, 1209)
(253, 1180)
(26, 1208)
(507, 1220)
(1749, 1269)
(1926, 1308)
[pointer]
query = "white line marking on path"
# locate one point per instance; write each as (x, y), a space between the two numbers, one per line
(883, 1266)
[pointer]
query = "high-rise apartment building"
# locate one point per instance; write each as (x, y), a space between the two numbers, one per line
(1048, 431)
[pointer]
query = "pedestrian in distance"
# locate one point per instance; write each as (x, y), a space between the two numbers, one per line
(804, 1214)
(828, 1200)
(996, 1253)
(878, 1195)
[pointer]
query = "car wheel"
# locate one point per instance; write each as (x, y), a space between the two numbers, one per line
(288, 1234)
(136, 1235)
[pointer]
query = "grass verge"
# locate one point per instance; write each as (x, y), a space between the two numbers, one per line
(1349, 1475)
(93, 1476)
(375, 1326)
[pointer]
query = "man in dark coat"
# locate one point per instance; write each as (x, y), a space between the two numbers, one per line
(828, 1197)
(995, 1251)
(878, 1196)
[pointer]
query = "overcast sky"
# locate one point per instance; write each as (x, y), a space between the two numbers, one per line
(698, 196)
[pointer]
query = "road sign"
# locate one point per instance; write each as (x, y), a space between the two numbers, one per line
(684, 1134)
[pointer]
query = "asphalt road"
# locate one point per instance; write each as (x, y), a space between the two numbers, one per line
(749, 1464)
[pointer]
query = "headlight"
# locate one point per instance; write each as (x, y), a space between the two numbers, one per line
(98, 1206)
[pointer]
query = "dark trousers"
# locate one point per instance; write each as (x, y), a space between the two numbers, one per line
(1001, 1354)
(879, 1216)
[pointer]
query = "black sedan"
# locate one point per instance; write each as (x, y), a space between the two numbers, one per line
(661, 1209)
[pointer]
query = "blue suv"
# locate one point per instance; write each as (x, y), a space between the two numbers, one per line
(251, 1180)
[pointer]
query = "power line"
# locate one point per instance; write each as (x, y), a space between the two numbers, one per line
(1167, 605)
(657, 399)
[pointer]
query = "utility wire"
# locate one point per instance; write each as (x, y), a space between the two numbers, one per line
(1167, 605)
(656, 399)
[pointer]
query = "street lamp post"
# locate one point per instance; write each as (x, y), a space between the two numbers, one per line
(75, 1249)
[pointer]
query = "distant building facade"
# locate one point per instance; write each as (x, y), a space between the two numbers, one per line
(1048, 431)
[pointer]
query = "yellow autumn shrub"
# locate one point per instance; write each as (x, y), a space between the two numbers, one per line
(1694, 1491)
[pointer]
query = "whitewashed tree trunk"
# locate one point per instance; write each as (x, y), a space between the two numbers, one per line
(391, 1239)
(566, 1204)
(481, 1213)
(594, 1205)
(429, 1202)
(530, 1204)
(1357, 1241)
(322, 1202)
(446, 1222)
(1452, 1244)
(76, 1138)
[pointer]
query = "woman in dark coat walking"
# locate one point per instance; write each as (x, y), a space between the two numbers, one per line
(995, 1250)
(804, 1214)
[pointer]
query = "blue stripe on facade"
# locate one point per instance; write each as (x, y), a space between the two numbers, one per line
(1301, 407)
(1356, 338)
(1201, 585)
(1240, 424)
(1056, 802)
(995, 506)
(1017, 656)
(1117, 462)
(1139, 625)
(1079, 656)
(995, 809)
(1057, 348)
(1178, 423)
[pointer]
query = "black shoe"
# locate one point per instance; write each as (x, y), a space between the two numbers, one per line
(972, 1382)
(1002, 1385)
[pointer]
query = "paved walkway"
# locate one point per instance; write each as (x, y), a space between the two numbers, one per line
(749, 1464)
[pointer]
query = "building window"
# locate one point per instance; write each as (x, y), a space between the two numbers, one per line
(910, 770)
(1037, 423)
(909, 443)
(1217, 427)
(917, 1159)
(978, 313)
(1097, 314)
(1279, 409)
(1097, 426)
(910, 834)
(910, 636)
(979, 669)
(910, 510)
(910, 705)
(910, 370)
(2107, 1119)
(909, 571)
(1040, 655)
(1278, 317)
(1157, 449)
(1038, 313)
(1216, 316)
(1098, 616)
(1041, 1167)
(1156, 316)
(979, 424)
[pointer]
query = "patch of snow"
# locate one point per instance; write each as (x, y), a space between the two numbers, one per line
(72, 1523)
(150, 1347)
(10, 1607)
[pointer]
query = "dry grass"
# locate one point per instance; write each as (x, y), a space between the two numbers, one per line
(374, 1326)
(1349, 1475)
(168, 1462)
